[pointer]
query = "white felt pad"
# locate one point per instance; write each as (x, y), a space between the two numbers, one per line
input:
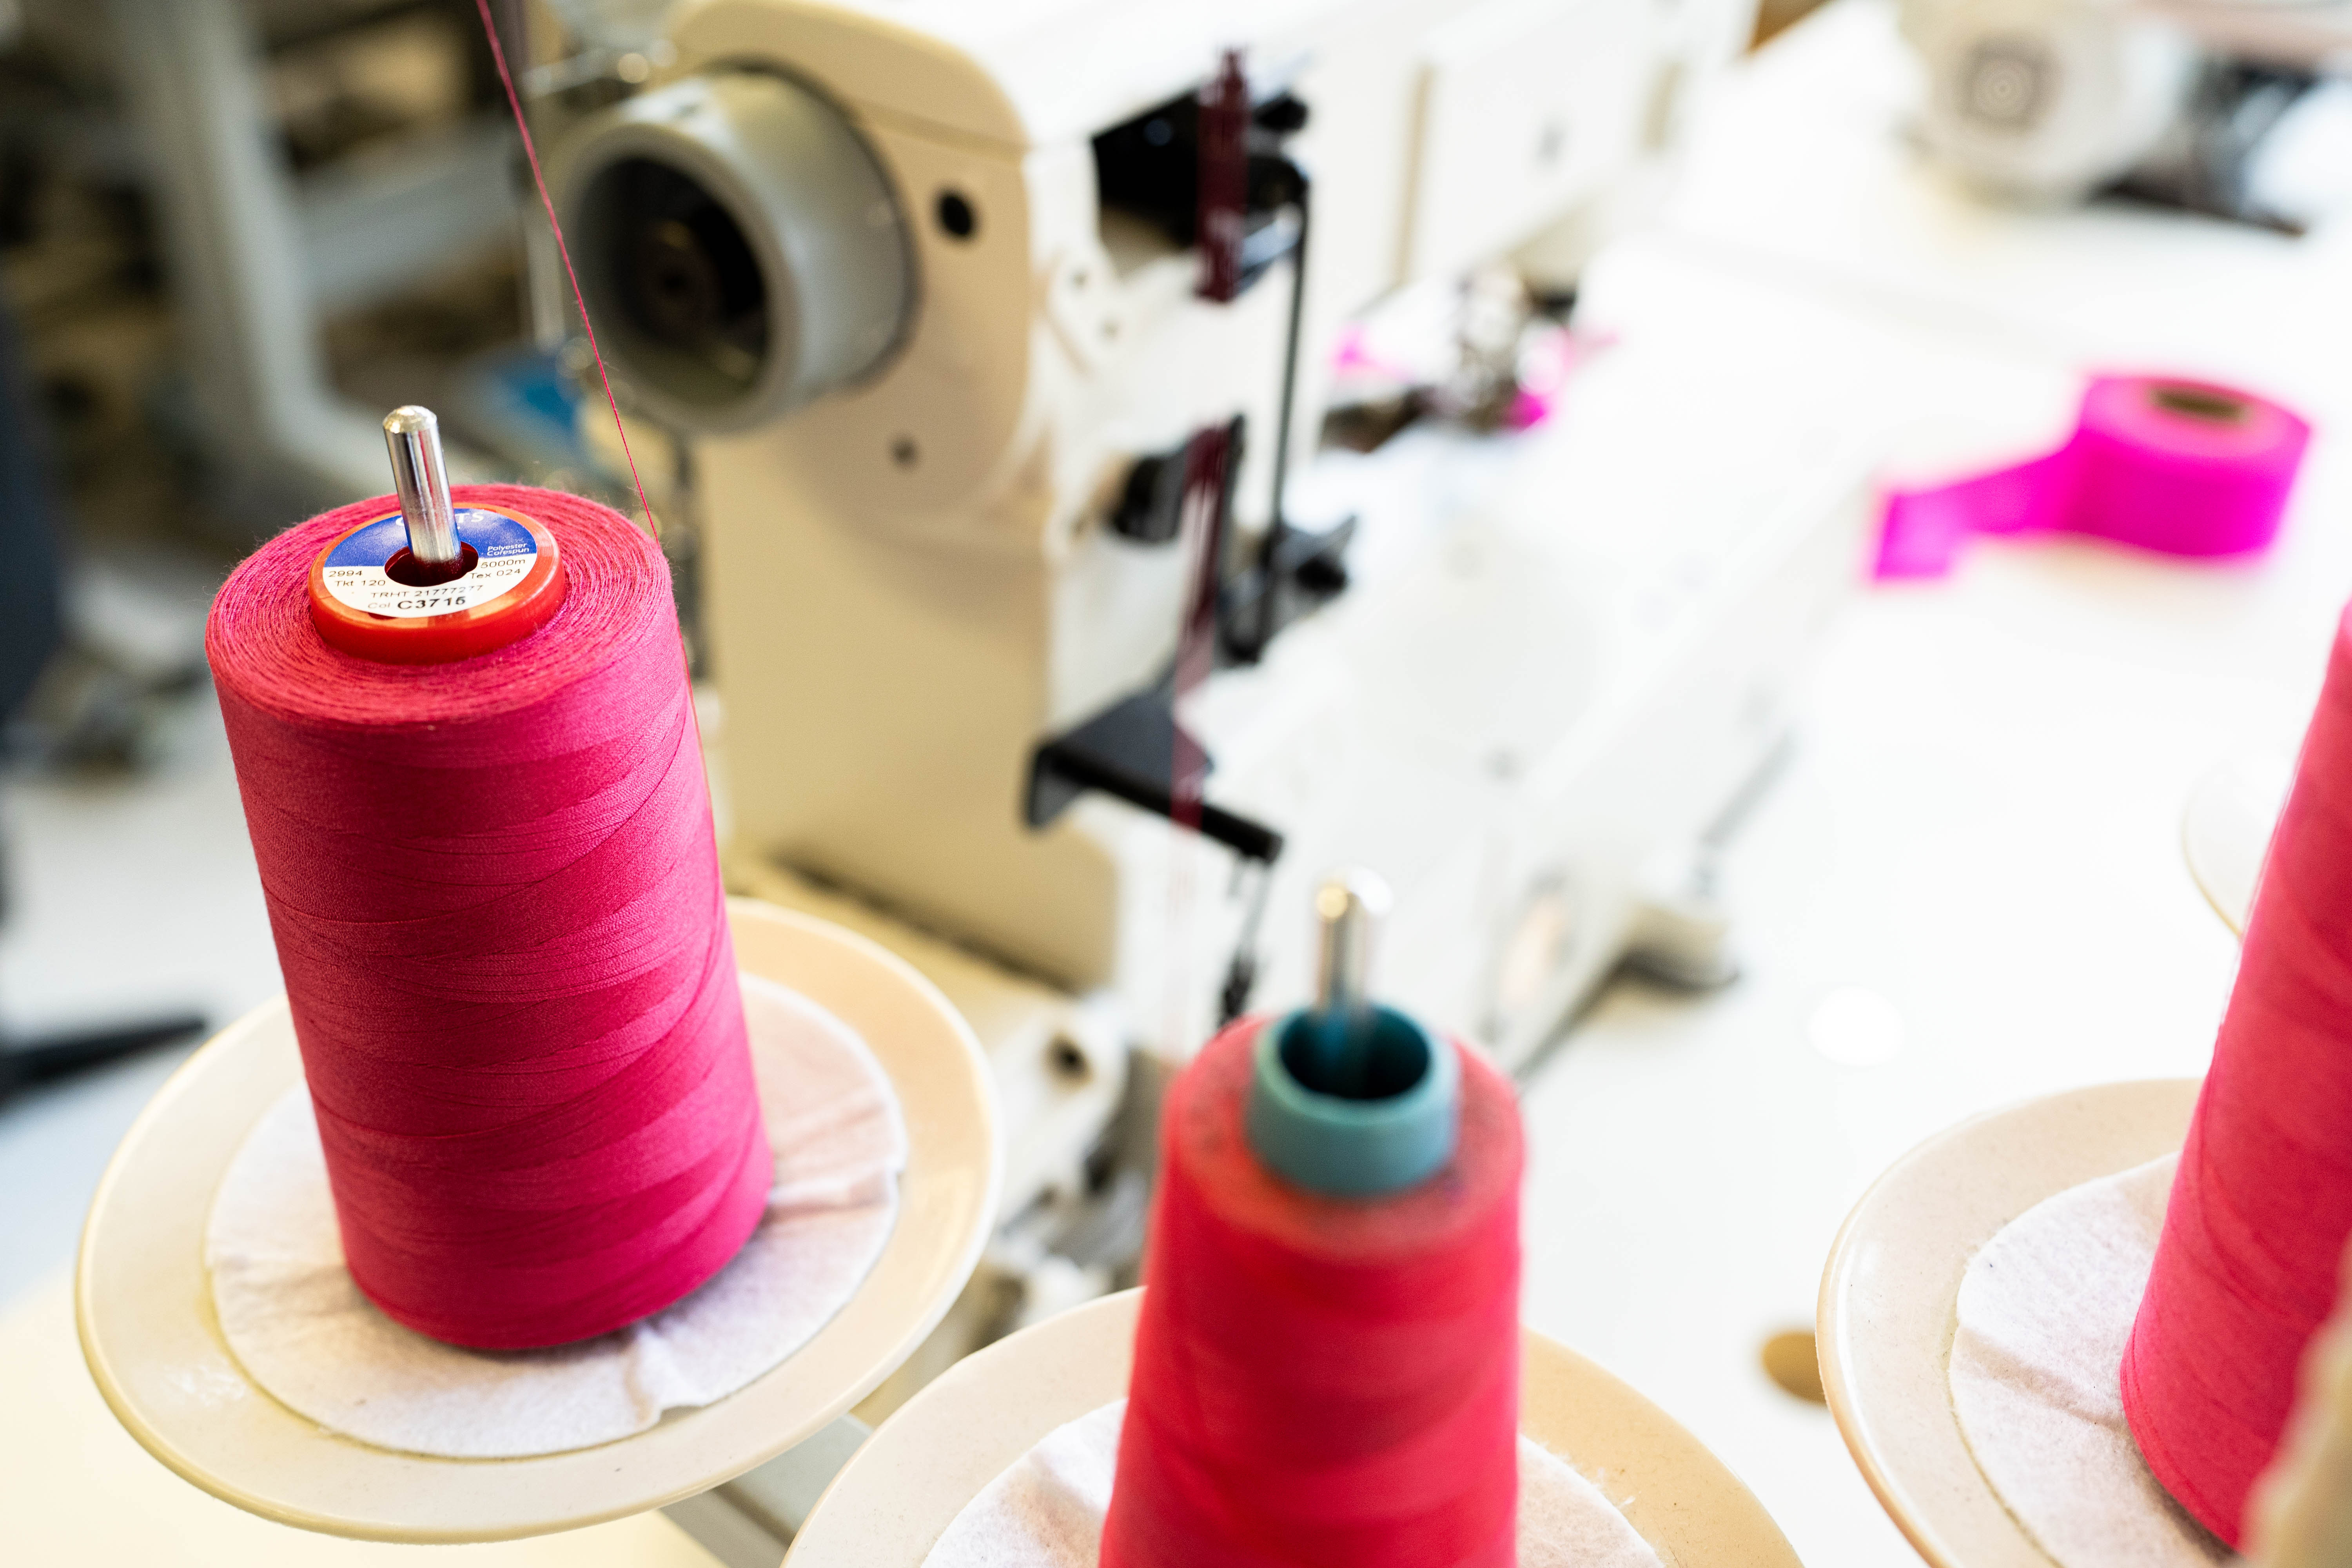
(302, 1329)
(1046, 1510)
(2045, 1309)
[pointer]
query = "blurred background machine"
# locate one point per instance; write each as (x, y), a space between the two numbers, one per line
(2229, 107)
(394, 166)
(1051, 647)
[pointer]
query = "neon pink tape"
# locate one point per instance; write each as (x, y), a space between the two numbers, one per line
(2182, 467)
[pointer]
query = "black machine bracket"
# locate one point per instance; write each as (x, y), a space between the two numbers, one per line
(1130, 750)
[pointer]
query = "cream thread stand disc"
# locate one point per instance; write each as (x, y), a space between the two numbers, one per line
(145, 1309)
(2225, 829)
(1890, 1295)
(892, 1502)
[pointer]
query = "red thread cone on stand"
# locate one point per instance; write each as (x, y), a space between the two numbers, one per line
(1323, 1379)
(2260, 1208)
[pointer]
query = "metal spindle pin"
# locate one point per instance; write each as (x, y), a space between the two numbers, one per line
(1348, 908)
(421, 479)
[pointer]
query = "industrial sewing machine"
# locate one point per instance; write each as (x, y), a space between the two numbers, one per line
(1050, 652)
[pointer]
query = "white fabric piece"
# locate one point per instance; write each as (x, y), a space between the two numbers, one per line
(2045, 1309)
(1046, 1510)
(301, 1329)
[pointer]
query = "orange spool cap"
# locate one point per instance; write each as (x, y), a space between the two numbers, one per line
(370, 594)
(433, 582)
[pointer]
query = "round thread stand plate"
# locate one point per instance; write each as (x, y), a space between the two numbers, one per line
(143, 1303)
(2226, 829)
(895, 1499)
(1889, 1297)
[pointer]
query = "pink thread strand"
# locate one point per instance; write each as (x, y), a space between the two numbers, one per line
(547, 204)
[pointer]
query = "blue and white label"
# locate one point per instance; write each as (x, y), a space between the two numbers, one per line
(504, 550)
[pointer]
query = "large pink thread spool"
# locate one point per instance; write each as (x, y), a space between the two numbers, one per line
(495, 892)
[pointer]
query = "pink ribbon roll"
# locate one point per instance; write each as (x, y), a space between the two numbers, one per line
(2183, 467)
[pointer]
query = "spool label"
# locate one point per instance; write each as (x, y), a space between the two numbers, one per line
(353, 572)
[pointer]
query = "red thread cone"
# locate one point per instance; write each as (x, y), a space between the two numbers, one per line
(496, 898)
(2246, 1269)
(1323, 1380)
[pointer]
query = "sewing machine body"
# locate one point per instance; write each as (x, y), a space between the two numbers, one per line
(910, 583)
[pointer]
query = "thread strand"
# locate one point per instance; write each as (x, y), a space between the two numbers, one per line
(547, 204)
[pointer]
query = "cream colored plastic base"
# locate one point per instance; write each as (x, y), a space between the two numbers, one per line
(2225, 830)
(1890, 1293)
(892, 1502)
(144, 1305)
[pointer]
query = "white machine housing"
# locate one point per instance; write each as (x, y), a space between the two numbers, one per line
(909, 584)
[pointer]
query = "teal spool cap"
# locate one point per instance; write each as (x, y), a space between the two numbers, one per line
(1395, 1130)
(1347, 1098)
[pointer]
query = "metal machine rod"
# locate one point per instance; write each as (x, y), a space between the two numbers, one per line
(1348, 908)
(420, 476)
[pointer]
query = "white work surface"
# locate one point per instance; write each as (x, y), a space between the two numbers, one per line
(1979, 830)
(1968, 882)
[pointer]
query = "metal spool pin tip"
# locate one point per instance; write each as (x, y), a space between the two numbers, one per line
(1348, 908)
(420, 478)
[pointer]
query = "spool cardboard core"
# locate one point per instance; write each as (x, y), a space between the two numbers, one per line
(406, 567)
(2207, 404)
